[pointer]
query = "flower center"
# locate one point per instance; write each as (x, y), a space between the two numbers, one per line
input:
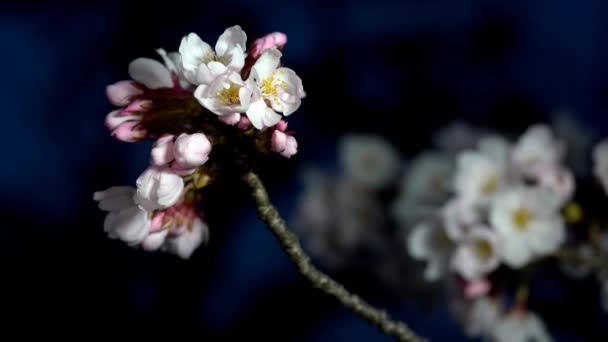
(213, 57)
(490, 185)
(230, 95)
(482, 248)
(521, 218)
(271, 85)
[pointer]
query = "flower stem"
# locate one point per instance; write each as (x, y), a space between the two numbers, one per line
(291, 246)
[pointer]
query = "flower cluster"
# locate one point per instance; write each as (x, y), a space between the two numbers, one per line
(502, 204)
(480, 212)
(187, 105)
(342, 219)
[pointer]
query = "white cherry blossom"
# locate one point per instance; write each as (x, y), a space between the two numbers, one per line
(277, 89)
(201, 63)
(529, 223)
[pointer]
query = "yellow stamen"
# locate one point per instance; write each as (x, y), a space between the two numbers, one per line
(490, 185)
(521, 218)
(482, 248)
(230, 95)
(573, 213)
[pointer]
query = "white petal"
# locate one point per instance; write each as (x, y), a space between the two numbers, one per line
(546, 237)
(237, 59)
(256, 113)
(185, 244)
(150, 73)
(515, 252)
(192, 49)
(271, 118)
(418, 242)
(112, 191)
(291, 97)
(267, 63)
(154, 241)
(130, 225)
(233, 36)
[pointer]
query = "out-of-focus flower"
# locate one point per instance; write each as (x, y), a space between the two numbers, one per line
(600, 163)
(481, 174)
(557, 179)
(459, 217)
(358, 213)
(125, 220)
(202, 64)
(477, 288)
(520, 326)
(191, 150)
(424, 187)
(480, 316)
(188, 239)
(158, 188)
(536, 150)
(277, 89)
(368, 160)
(478, 254)
(528, 222)
(428, 241)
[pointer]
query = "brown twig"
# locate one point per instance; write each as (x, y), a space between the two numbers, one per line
(291, 246)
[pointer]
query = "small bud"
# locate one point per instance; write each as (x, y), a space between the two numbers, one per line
(115, 119)
(191, 150)
(272, 40)
(230, 119)
(121, 93)
(278, 141)
(282, 126)
(162, 151)
(291, 147)
(130, 131)
(244, 123)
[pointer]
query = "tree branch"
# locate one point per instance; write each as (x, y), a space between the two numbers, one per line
(291, 246)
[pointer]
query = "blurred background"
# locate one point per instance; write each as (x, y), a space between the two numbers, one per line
(396, 68)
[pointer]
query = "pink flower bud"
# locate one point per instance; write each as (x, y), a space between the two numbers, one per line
(477, 288)
(162, 151)
(156, 223)
(115, 119)
(291, 148)
(136, 106)
(191, 150)
(230, 119)
(244, 123)
(121, 93)
(282, 126)
(130, 131)
(275, 39)
(278, 141)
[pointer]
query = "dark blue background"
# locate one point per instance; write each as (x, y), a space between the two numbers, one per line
(397, 68)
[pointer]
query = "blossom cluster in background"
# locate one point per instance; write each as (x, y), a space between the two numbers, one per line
(201, 102)
(480, 212)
